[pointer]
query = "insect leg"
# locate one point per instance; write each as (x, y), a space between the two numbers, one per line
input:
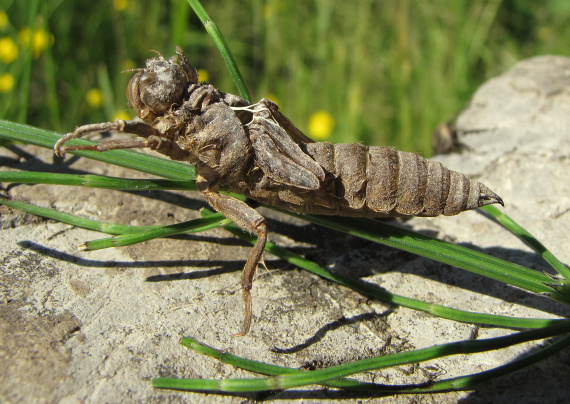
(134, 127)
(149, 137)
(250, 220)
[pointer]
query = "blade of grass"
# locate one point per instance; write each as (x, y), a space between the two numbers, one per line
(96, 181)
(146, 232)
(128, 234)
(264, 368)
(466, 382)
(530, 241)
(457, 383)
(84, 223)
(223, 48)
(124, 158)
(191, 226)
(398, 359)
(105, 85)
(442, 251)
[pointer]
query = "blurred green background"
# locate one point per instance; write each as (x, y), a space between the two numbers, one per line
(380, 72)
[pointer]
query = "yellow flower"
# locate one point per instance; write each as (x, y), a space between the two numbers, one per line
(6, 82)
(3, 19)
(121, 115)
(39, 40)
(8, 50)
(120, 5)
(203, 75)
(321, 124)
(94, 98)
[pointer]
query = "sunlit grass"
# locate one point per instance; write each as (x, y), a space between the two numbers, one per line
(386, 72)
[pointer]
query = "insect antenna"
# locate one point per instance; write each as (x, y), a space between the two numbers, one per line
(136, 69)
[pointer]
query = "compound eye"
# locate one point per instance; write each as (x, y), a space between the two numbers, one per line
(156, 104)
(133, 92)
(147, 79)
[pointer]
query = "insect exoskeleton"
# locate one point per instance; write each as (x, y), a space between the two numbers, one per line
(256, 150)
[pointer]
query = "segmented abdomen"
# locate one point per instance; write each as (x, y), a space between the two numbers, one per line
(381, 181)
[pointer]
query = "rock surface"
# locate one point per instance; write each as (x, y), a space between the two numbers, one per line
(80, 327)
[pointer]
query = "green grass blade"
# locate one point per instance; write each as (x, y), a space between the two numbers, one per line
(128, 234)
(234, 360)
(84, 223)
(402, 358)
(442, 251)
(124, 158)
(96, 181)
(466, 382)
(457, 383)
(260, 367)
(529, 240)
(223, 48)
(191, 226)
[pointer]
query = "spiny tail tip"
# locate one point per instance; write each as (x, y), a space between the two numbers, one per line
(488, 197)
